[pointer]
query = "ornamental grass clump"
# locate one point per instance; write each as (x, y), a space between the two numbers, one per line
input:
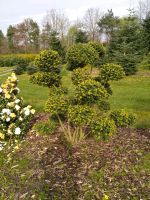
(14, 117)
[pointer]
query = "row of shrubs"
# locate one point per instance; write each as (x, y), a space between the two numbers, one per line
(16, 59)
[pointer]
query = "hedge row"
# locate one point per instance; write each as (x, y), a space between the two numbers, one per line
(16, 59)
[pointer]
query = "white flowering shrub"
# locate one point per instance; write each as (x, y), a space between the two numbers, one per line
(14, 117)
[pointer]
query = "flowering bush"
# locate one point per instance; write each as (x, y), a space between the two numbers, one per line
(13, 116)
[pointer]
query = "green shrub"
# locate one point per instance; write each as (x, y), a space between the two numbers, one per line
(90, 91)
(111, 72)
(103, 128)
(79, 75)
(48, 71)
(31, 69)
(16, 59)
(103, 105)
(122, 118)
(47, 60)
(57, 103)
(19, 70)
(80, 115)
(98, 47)
(79, 55)
(45, 128)
(46, 79)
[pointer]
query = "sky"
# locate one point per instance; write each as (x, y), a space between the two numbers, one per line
(15, 11)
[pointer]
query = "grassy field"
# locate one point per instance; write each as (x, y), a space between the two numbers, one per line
(131, 93)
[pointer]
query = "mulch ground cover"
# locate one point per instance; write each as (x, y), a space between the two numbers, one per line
(91, 170)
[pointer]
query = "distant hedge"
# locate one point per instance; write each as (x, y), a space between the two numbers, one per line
(16, 59)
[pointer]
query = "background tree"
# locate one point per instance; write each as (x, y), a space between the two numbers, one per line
(32, 32)
(57, 22)
(146, 26)
(81, 37)
(10, 38)
(107, 24)
(90, 25)
(2, 42)
(127, 44)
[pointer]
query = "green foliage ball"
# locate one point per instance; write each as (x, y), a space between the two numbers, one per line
(103, 128)
(111, 72)
(98, 47)
(47, 60)
(57, 103)
(90, 91)
(80, 55)
(79, 75)
(46, 79)
(80, 115)
(122, 118)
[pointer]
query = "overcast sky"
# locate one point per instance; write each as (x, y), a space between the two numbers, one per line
(15, 11)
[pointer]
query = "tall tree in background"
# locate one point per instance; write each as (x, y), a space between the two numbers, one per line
(81, 37)
(146, 25)
(55, 44)
(90, 25)
(10, 38)
(1, 40)
(32, 34)
(45, 36)
(127, 44)
(143, 9)
(57, 22)
(108, 23)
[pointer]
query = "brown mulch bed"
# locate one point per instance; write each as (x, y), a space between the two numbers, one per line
(88, 170)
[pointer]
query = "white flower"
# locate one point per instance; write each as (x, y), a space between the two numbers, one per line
(27, 112)
(17, 100)
(17, 131)
(5, 110)
(17, 107)
(7, 119)
(1, 90)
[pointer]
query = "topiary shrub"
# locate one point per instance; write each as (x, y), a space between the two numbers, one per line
(90, 91)
(79, 55)
(48, 71)
(46, 79)
(102, 128)
(98, 47)
(47, 60)
(79, 75)
(103, 105)
(111, 72)
(122, 118)
(80, 115)
(57, 103)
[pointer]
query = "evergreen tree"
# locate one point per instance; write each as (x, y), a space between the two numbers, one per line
(55, 44)
(10, 38)
(126, 46)
(146, 25)
(81, 37)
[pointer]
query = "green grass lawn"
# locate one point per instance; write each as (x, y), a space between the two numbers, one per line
(131, 93)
